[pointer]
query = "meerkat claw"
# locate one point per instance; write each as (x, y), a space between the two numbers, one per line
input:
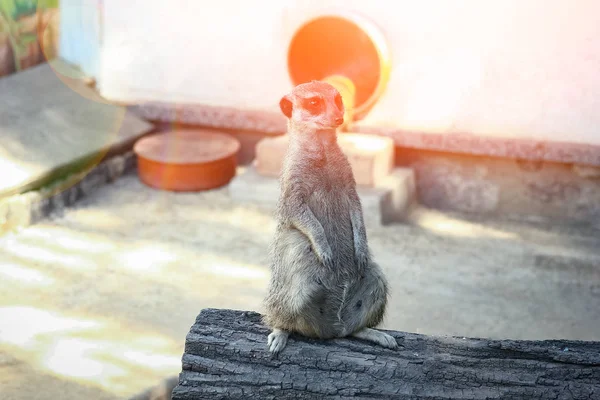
(375, 336)
(326, 257)
(388, 341)
(277, 340)
(327, 261)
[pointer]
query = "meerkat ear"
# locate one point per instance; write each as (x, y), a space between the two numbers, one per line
(286, 106)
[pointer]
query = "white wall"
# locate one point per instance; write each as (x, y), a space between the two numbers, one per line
(508, 68)
(80, 34)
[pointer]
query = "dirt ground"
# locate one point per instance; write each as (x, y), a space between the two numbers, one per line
(96, 303)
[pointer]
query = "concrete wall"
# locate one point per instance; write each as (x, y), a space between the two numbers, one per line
(80, 27)
(497, 69)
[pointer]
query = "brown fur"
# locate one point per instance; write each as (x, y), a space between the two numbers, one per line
(324, 283)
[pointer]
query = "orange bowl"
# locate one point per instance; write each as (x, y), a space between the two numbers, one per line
(187, 160)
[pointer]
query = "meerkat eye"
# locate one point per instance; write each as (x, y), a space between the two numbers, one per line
(359, 304)
(338, 102)
(314, 104)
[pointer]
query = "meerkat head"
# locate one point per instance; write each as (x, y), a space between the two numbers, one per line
(314, 105)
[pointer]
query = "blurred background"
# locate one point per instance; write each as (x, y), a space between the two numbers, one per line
(140, 144)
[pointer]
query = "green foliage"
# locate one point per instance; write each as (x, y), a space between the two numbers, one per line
(24, 8)
(7, 9)
(14, 9)
(48, 3)
(10, 13)
(27, 38)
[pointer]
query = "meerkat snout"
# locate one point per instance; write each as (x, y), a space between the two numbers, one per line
(315, 105)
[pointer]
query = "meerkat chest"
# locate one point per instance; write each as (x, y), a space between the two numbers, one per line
(333, 170)
(329, 199)
(328, 179)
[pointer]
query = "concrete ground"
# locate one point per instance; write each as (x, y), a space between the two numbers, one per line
(96, 303)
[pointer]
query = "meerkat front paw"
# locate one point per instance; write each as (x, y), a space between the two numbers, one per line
(277, 340)
(326, 256)
(362, 259)
(387, 341)
(361, 251)
(375, 336)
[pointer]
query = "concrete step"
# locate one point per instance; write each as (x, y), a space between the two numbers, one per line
(371, 157)
(389, 201)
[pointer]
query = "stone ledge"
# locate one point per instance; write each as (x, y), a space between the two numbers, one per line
(22, 210)
(390, 201)
(212, 116)
(272, 122)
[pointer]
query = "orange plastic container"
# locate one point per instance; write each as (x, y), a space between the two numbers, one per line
(187, 160)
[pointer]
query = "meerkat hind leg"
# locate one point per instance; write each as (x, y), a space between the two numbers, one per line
(277, 340)
(375, 336)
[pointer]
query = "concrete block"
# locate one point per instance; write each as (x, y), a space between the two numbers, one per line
(270, 152)
(16, 211)
(251, 187)
(389, 201)
(450, 186)
(4, 209)
(371, 157)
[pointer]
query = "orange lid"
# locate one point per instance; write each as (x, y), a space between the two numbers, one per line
(186, 146)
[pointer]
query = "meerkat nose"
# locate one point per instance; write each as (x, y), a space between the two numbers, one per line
(339, 120)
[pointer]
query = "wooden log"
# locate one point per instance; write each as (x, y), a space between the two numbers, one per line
(226, 357)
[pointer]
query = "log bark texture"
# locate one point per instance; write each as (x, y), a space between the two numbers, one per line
(226, 357)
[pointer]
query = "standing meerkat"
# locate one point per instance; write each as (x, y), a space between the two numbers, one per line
(323, 283)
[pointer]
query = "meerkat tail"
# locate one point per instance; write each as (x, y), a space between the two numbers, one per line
(375, 336)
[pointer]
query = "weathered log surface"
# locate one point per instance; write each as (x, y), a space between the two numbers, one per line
(226, 357)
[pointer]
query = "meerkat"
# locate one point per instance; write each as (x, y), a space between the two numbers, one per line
(324, 283)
